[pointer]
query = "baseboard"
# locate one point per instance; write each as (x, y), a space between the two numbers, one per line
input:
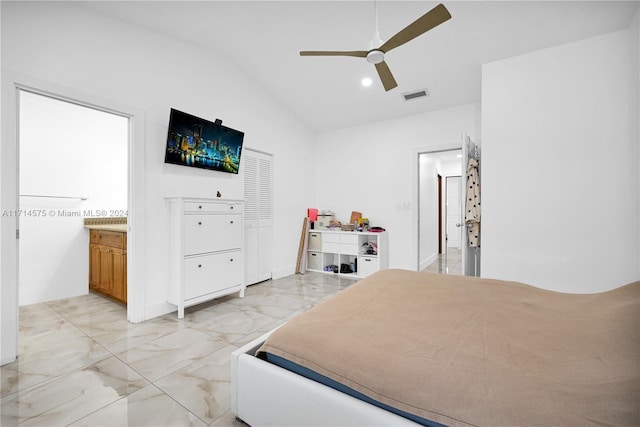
(283, 272)
(158, 309)
(427, 262)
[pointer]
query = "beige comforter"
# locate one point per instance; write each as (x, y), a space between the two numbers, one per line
(465, 351)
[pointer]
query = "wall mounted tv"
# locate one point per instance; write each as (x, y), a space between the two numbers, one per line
(199, 143)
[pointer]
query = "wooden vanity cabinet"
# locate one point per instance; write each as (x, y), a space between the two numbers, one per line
(108, 263)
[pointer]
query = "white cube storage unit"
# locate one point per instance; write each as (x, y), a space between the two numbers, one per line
(329, 250)
(206, 250)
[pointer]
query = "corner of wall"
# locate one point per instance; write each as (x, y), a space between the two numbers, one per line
(634, 34)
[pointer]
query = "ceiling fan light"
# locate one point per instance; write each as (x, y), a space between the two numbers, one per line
(366, 82)
(375, 56)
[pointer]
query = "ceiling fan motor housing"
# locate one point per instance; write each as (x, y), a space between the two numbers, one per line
(375, 56)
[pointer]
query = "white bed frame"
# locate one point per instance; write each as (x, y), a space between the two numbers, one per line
(263, 394)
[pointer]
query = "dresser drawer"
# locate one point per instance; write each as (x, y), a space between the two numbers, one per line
(351, 239)
(330, 238)
(212, 273)
(113, 239)
(211, 233)
(204, 207)
(331, 247)
(348, 249)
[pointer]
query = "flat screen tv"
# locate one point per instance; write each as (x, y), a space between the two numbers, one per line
(199, 143)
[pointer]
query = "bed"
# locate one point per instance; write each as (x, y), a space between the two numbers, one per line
(406, 348)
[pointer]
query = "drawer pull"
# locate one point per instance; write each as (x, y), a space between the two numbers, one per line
(231, 260)
(231, 222)
(200, 207)
(199, 265)
(199, 222)
(231, 207)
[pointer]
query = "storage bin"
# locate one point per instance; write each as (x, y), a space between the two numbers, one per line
(367, 265)
(315, 242)
(314, 261)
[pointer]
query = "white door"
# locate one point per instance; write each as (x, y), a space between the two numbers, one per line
(258, 220)
(470, 256)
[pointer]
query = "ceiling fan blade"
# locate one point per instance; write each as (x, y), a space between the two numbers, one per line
(385, 75)
(357, 53)
(429, 20)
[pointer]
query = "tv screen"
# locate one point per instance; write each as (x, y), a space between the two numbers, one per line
(199, 143)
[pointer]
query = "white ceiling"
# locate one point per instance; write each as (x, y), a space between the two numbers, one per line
(264, 38)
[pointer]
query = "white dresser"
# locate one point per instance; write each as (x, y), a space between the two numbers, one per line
(207, 253)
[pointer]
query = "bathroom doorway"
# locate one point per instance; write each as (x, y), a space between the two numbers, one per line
(73, 163)
(14, 85)
(440, 209)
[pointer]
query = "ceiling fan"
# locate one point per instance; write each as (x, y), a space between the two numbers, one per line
(375, 55)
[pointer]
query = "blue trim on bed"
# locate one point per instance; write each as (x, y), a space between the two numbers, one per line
(312, 375)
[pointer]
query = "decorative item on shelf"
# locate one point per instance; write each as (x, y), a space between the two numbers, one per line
(325, 218)
(218, 194)
(347, 227)
(363, 224)
(312, 214)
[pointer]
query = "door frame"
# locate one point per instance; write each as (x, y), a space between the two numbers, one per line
(12, 83)
(440, 246)
(415, 192)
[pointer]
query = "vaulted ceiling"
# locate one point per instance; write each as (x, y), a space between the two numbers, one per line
(264, 38)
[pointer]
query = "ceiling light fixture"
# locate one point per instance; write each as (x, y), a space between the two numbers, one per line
(366, 82)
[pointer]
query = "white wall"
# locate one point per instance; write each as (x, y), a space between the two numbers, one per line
(560, 167)
(634, 48)
(72, 47)
(70, 151)
(369, 169)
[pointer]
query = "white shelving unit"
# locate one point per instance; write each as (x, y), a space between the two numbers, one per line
(352, 248)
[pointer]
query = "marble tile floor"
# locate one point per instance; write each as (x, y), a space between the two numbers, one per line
(81, 363)
(451, 263)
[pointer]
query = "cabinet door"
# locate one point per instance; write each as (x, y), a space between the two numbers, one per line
(119, 274)
(211, 233)
(94, 266)
(105, 279)
(212, 273)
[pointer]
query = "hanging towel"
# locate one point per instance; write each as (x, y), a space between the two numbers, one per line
(472, 211)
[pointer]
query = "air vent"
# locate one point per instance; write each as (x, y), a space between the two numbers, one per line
(408, 96)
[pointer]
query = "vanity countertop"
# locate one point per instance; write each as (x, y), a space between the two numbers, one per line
(106, 224)
(107, 227)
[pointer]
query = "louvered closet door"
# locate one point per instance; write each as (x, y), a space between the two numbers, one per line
(258, 234)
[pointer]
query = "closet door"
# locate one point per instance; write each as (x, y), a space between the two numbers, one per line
(258, 216)
(265, 215)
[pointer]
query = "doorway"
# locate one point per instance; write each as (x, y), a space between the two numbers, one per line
(73, 163)
(439, 210)
(12, 85)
